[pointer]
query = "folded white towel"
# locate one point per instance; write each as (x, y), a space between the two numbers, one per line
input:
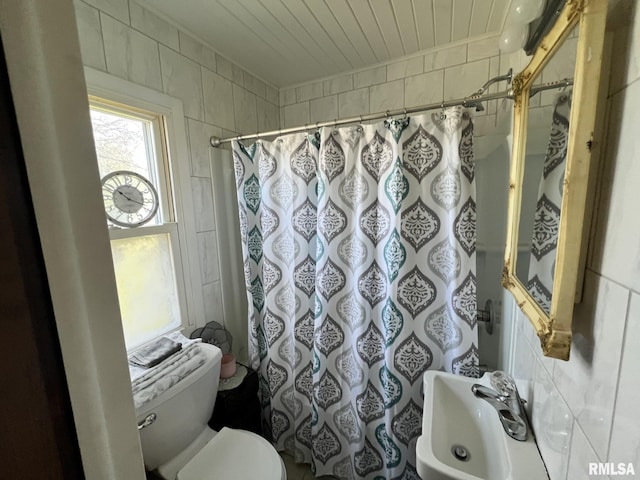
(154, 353)
(136, 372)
(148, 383)
(162, 377)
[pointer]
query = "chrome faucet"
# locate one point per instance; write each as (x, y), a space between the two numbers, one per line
(507, 402)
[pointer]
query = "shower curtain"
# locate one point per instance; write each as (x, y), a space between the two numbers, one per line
(542, 262)
(359, 260)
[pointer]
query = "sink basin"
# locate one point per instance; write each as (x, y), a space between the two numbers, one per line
(463, 439)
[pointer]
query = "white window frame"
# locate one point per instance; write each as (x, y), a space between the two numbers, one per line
(155, 146)
(110, 88)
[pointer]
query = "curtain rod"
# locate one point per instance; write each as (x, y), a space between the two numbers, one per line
(471, 101)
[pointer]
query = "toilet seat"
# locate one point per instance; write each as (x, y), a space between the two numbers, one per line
(236, 454)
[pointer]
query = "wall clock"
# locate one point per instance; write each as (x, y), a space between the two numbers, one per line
(130, 200)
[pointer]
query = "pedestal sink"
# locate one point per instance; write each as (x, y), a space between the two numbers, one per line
(463, 439)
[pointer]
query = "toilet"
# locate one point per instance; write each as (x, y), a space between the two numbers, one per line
(178, 443)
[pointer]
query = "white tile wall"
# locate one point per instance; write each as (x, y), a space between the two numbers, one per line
(245, 110)
(405, 68)
(208, 251)
(229, 70)
(309, 91)
(552, 420)
(625, 440)
(268, 115)
(125, 40)
(462, 80)
(626, 45)
(424, 89)
(197, 52)
(181, 78)
(213, 308)
(581, 456)
(597, 391)
(386, 96)
(130, 54)
(588, 381)
(373, 76)
(444, 58)
(92, 48)
(323, 109)
(338, 85)
(296, 114)
(199, 135)
(425, 79)
(254, 85)
(150, 24)
(203, 204)
(116, 8)
(353, 103)
(482, 49)
(615, 245)
(218, 100)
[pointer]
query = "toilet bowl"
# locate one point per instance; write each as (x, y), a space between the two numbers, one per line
(178, 444)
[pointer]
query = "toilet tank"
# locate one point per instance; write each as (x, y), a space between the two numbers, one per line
(182, 412)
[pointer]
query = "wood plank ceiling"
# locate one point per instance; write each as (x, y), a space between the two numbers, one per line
(287, 42)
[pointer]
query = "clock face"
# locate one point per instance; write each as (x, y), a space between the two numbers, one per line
(130, 200)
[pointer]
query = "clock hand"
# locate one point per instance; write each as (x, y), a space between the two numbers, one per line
(130, 199)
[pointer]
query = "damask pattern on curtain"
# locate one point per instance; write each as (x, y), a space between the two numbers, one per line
(359, 250)
(544, 243)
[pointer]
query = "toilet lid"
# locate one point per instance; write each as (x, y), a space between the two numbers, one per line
(235, 454)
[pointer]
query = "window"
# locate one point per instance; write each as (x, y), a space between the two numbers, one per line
(147, 259)
(157, 264)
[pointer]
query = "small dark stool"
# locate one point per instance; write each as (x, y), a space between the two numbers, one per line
(237, 403)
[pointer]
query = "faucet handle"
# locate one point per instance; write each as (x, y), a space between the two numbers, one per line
(503, 383)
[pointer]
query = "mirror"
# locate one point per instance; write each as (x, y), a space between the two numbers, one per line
(545, 156)
(555, 107)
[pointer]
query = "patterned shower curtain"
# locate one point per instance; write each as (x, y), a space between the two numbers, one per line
(359, 258)
(542, 262)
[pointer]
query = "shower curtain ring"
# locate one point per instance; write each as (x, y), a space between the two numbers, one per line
(405, 114)
(386, 114)
(442, 115)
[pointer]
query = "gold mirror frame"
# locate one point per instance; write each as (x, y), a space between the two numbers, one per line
(554, 329)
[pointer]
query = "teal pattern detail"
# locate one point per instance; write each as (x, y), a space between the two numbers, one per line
(394, 255)
(252, 193)
(257, 292)
(396, 186)
(262, 343)
(391, 387)
(320, 188)
(392, 322)
(249, 152)
(396, 127)
(391, 451)
(255, 244)
(319, 249)
(317, 307)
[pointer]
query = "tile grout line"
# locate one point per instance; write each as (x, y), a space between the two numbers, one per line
(617, 389)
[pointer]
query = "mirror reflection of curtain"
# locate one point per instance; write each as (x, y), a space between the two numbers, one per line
(547, 217)
(359, 249)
